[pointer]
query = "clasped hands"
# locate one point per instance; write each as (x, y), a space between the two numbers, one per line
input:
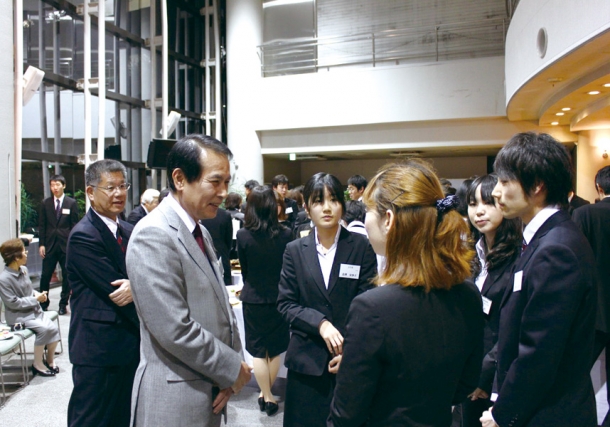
(245, 373)
(40, 296)
(122, 296)
(334, 341)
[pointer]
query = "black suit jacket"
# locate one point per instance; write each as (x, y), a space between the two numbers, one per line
(304, 300)
(53, 233)
(261, 263)
(594, 222)
(101, 333)
(292, 211)
(136, 215)
(547, 328)
(576, 202)
(494, 288)
(408, 356)
(221, 230)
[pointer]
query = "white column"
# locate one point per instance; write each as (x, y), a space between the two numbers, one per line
(7, 124)
(244, 34)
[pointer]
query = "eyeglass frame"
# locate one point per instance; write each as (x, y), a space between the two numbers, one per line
(111, 189)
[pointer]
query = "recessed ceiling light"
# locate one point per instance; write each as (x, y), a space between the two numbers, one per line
(554, 123)
(607, 85)
(559, 114)
(594, 92)
(566, 109)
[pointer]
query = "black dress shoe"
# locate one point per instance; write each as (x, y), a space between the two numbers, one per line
(42, 373)
(261, 403)
(55, 370)
(62, 310)
(271, 408)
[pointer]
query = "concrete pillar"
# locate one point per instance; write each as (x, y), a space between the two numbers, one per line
(244, 34)
(591, 147)
(7, 124)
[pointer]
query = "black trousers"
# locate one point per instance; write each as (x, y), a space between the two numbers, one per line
(308, 399)
(101, 395)
(602, 341)
(49, 262)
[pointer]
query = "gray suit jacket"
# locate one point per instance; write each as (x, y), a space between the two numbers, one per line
(189, 337)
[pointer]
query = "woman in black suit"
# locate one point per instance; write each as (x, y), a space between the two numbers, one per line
(414, 344)
(498, 246)
(321, 275)
(260, 245)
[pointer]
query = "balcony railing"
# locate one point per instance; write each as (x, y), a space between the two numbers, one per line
(441, 42)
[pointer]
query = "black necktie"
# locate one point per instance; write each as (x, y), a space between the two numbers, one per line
(119, 238)
(57, 209)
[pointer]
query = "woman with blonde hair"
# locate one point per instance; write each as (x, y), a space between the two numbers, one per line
(413, 346)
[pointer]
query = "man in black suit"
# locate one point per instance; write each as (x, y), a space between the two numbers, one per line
(148, 201)
(280, 184)
(104, 328)
(575, 202)
(594, 221)
(547, 316)
(248, 186)
(58, 215)
(221, 229)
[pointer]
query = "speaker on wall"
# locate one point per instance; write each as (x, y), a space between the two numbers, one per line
(158, 149)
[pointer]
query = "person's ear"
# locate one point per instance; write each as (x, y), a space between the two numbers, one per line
(178, 178)
(89, 191)
(388, 222)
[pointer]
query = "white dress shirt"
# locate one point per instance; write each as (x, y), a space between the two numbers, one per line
(326, 257)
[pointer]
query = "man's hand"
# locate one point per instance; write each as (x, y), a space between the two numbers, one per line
(487, 420)
(42, 251)
(332, 337)
(478, 394)
(333, 365)
(40, 296)
(221, 400)
(122, 296)
(243, 378)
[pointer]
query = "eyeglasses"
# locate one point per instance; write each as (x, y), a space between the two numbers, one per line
(113, 189)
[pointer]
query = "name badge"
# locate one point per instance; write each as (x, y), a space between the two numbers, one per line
(305, 233)
(289, 210)
(349, 271)
(65, 211)
(486, 305)
(518, 281)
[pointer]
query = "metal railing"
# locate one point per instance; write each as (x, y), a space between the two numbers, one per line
(418, 44)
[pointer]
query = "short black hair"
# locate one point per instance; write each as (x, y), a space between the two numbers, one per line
(261, 212)
(93, 174)
(602, 178)
(313, 191)
(357, 181)
(251, 183)
(233, 201)
(279, 179)
(461, 193)
(355, 211)
(533, 159)
(185, 155)
(59, 178)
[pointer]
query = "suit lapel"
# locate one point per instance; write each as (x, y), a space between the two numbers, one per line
(113, 249)
(313, 264)
(342, 254)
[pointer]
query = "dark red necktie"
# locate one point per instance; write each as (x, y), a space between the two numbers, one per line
(119, 239)
(199, 238)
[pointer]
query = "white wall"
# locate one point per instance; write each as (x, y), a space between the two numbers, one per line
(7, 124)
(569, 24)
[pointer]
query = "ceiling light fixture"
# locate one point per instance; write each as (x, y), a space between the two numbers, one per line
(594, 92)
(559, 114)
(273, 3)
(605, 155)
(606, 84)
(554, 123)
(566, 109)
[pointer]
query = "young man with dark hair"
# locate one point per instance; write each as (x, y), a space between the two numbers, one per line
(248, 186)
(58, 214)
(280, 185)
(355, 187)
(594, 221)
(547, 319)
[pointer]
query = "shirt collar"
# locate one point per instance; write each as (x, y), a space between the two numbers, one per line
(536, 222)
(15, 273)
(336, 237)
(112, 225)
(144, 207)
(480, 247)
(184, 216)
(61, 199)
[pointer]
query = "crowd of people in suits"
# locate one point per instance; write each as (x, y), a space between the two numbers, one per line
(411, 304)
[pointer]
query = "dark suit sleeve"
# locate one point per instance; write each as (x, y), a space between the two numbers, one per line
(361, 365)
(579, 217)
(470, 374)
(85, 249)
(554, 285)
(301, 318)
(241, 253)
(368, 269)
(73, 213)
(488, 370)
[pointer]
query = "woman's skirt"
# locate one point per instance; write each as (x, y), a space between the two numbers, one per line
(266, 332)
(44, 328)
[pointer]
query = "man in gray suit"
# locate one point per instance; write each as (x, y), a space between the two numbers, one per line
(191, 356)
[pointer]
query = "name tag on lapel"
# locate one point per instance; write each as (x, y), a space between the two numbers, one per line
(518, 281)
(65, 211)
(304, 233)
(486, 305)
(289, 210)
(349, 271)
